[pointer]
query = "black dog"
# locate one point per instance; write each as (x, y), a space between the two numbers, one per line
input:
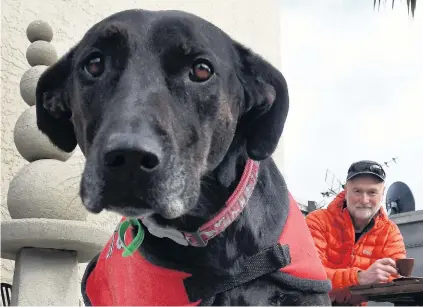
(170, 112)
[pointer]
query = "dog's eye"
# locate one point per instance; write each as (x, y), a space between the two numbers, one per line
(94, 65)
(201, 71)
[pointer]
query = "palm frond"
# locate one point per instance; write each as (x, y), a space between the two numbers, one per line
(411, 5)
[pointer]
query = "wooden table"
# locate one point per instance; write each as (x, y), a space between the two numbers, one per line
(400, 292)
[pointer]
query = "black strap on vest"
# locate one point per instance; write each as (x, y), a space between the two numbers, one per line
(89, 268)
(205, 285)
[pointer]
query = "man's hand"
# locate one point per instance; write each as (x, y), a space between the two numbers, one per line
(378, 272)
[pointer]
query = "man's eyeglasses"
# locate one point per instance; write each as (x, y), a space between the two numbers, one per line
(363, 166)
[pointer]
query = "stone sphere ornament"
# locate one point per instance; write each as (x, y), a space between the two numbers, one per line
(28, 84)
(41, 53)
(48, 233)
(39, 30)
(46, 189)
(31, 143)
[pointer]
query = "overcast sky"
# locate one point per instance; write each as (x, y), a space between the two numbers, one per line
(355, 77)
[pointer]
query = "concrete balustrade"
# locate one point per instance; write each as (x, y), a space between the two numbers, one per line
(411, 227)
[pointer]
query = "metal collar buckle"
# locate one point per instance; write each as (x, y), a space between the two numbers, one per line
(195, 238)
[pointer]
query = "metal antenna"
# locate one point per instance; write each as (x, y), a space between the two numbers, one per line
(391, 161)
(335, 185)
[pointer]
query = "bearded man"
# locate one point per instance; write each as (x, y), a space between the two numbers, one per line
(357, 242)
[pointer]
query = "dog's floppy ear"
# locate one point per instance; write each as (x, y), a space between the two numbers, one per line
(266, 102)
(53, 104)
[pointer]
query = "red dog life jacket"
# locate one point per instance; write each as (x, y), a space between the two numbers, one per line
(113, 280)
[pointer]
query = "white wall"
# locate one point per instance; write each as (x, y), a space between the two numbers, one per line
(355, 77)
(254, 23)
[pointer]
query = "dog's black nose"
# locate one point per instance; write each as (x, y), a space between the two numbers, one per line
(132, 154)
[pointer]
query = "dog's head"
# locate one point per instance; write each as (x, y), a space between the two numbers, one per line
(155, 100)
